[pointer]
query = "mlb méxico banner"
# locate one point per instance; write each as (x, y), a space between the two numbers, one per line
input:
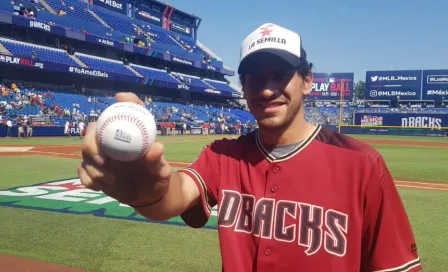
(71, 197)
(401, 120)
(435, 85)
(394, 85)
(328, 86)
(114, 5)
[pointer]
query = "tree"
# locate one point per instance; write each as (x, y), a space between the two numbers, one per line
(360, 89)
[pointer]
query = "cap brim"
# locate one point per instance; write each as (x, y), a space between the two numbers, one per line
(268, 59)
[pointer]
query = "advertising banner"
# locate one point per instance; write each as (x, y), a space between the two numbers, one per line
(393, 85)
(114, 5)
(328, 86)
(106, 42)
(401, 119)
(145, 14)
(435, 85)
(185, 30)
(181, 60)
(63, 68)
(38, 25)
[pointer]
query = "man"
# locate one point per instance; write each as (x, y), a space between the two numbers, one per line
(292, 196)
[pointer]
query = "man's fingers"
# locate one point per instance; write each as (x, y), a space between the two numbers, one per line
(128, 97)
(155, 161)
(97, 173)
(87, 181)
(91, 147)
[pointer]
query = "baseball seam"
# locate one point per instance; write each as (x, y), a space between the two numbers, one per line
(126, 117)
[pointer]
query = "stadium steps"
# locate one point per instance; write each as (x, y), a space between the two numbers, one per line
(206, 50)
(4, 51)
(78, 61)
(207, 84)
(98, 18)
(47, 6)
(134, 71)
(174, 40)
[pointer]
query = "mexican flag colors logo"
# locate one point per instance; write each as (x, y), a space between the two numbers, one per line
(70, 196)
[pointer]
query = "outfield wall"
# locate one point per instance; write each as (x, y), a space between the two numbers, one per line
(58, 131)
(417, 120)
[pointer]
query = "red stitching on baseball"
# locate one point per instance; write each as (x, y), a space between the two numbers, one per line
(126, 117)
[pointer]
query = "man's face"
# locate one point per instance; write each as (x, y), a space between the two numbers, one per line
(275, 97)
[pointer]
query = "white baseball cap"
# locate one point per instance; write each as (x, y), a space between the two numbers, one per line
(271, 43)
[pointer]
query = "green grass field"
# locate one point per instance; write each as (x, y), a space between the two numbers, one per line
(104, 244)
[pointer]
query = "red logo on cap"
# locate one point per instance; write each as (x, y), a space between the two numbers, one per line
(266, 31)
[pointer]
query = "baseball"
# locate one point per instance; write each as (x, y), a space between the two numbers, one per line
(126, 131)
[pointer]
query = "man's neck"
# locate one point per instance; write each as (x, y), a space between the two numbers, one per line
(298, 130)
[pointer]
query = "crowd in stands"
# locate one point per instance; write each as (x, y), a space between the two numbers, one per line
(20, 104)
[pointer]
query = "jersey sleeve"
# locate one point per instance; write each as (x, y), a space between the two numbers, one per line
(388, 242)
(205, 173)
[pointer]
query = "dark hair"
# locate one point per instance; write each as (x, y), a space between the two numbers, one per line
(304, 69)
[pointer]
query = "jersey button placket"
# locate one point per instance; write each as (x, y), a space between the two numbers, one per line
(267, 251)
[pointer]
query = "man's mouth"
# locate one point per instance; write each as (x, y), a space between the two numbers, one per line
(269, 107)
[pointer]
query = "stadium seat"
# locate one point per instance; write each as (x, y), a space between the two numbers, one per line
(21, 49)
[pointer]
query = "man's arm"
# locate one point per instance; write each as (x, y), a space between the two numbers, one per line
(181, 195)
(388, 242)
(192, 192)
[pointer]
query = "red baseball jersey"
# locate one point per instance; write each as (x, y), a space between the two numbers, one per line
(329, 205)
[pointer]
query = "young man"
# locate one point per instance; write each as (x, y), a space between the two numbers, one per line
(292, 196)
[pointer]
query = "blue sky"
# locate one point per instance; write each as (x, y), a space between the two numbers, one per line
(339, 36)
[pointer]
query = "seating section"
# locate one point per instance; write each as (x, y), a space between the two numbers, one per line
(153, 73)
(191, 80)
(75, 9)
(43, 53)
(104, 64)
(219, 85)
(120, 23)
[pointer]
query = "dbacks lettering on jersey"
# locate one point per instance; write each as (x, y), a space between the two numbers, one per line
(285, 221)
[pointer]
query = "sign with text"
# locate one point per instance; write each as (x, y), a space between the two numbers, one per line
(185, 30)
(114, 5)
(428, 120)
(435, 85)
(393, 85)
(149, 16)
(328, 86)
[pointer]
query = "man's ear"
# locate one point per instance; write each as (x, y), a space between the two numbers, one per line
(308, 84)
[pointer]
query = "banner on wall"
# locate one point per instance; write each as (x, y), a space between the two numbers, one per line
(329, 86)
(147, 15)
(114, 5)
(393, 85)
(401, 119)
(435, 85)
(63, 68)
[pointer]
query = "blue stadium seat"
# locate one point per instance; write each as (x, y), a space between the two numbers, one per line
(154, 73)
(104, 64)
(220, 85)
(75, 9)
(42, 53)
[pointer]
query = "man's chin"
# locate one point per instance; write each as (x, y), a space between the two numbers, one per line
(272, 123)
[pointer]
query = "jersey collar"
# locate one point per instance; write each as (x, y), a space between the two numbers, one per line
(291, 154)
